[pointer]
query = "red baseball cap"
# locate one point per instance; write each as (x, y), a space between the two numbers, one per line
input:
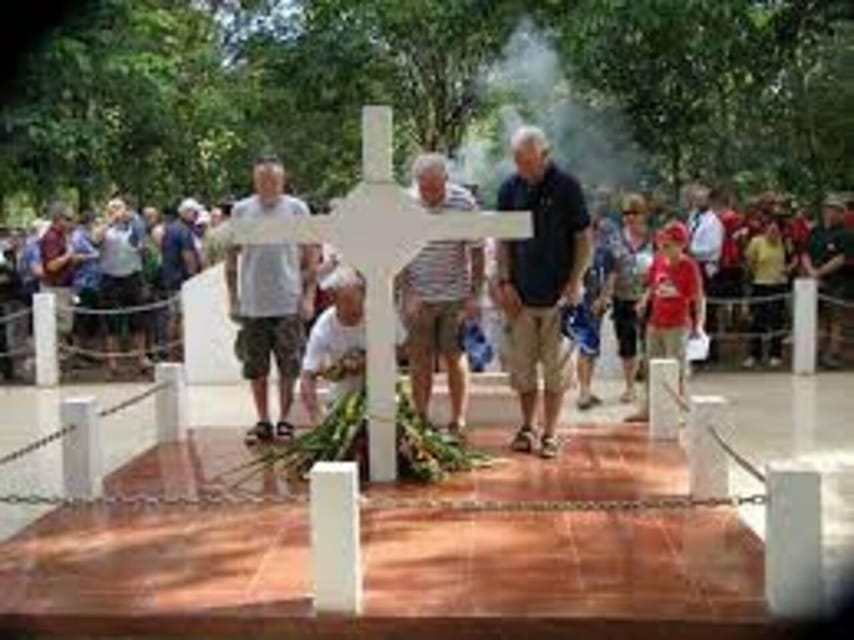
(675, 232)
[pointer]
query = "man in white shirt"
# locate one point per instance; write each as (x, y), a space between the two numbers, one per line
(707, 241)
(271, 293)
(336, 346)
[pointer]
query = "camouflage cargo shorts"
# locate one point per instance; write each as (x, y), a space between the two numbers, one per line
(259, 338)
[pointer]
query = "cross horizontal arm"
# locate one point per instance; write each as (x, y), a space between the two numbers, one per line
(302, 230)
(456, 225)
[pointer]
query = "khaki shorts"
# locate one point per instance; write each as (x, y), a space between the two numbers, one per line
(259, 338)
(534, 336)
(666, 343)
(64, 309)
(438, 328)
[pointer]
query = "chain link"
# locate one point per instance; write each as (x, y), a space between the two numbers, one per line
(750, 300)
(119, 355)
(663, 503)
(739, 459)
(683, 405)
(38, 444)
(839, 302)
(149, 500)
(124, 404)
(9, 317)
(121, 311)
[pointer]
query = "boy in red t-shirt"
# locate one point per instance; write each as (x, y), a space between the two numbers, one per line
(674, 295)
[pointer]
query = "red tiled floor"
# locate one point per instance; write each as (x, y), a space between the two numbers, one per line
(253, 562)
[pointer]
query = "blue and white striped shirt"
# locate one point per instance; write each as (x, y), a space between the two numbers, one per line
(441, 272)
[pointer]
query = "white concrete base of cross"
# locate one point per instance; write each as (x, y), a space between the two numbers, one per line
(378, 229)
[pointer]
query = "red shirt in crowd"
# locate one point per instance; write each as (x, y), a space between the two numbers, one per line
(673, 287)
(53, 245)
(731, 252)
(797, 231)
(848, 220)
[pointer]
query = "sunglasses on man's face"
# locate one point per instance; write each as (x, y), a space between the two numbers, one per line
(631, 212)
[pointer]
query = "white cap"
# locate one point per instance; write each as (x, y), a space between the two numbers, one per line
(190, 204)
(342, 276)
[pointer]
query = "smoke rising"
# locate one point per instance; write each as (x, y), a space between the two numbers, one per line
(530, 85)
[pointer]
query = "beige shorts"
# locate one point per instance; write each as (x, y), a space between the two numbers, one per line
(438, 327)
(534, 337)
(666, 343)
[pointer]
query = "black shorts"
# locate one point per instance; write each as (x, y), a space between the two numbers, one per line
(120, 293)
(88, 325)
(728, 283)
(627, 327)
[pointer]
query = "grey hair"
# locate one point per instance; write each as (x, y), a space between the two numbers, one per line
(58, 209)
(529, 135)
(429, 163)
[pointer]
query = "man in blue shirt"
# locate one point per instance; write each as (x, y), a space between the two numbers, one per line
(180, 260)
(537, 277)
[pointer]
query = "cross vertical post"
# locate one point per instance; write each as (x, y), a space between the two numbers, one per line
(377, 145)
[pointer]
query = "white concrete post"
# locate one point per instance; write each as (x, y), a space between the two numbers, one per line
(81, 449)
(45, 338)
(335, 543)
(805, 332)
(793, 541)
(664, 410)
(708, 464)
(171, 402)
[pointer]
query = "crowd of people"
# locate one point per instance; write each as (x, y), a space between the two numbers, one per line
(115, 275)
(747, 260)
(663, 277)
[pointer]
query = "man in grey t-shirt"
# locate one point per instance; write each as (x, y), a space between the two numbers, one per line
(274, 297)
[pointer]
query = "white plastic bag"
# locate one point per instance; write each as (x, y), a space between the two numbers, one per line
(697, 348)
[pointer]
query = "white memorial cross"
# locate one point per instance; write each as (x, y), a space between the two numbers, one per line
(379, 228)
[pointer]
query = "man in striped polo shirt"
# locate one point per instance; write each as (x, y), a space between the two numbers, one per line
(439, 289)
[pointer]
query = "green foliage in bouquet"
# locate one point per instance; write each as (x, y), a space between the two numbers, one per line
(424, 454)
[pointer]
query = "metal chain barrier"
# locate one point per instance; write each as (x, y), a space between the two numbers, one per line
(18, 353)
(839, 302)
(150, 500)
(121, 311)
(38, 444)
(746, 335)
(9, 317)
(739, 459)
(135, 399)
(104, 355)
(658, 503)
(750, 300)
(683, 404)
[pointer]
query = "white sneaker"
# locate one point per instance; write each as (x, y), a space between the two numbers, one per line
(775, 363)
(749, 363)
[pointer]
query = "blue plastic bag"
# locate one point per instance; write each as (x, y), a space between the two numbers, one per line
(476, 346)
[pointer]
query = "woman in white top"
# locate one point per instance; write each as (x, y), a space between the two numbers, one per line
(122, 284)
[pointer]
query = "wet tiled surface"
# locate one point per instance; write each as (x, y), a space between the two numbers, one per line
(247, 564)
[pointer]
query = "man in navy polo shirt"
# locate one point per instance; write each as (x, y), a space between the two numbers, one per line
(538, 277)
